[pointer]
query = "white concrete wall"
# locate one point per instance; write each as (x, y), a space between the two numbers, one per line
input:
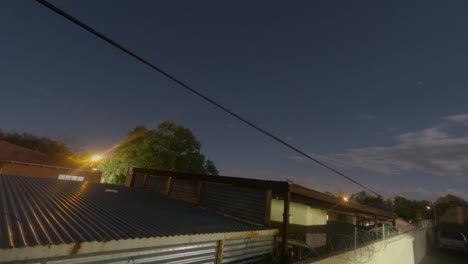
(299, 214)
(409, 248)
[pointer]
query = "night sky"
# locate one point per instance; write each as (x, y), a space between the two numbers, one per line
(378, 90)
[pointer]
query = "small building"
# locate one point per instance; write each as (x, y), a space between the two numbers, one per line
(51, 221)
(21, 161)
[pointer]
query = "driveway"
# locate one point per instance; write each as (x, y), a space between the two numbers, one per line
(444, 256)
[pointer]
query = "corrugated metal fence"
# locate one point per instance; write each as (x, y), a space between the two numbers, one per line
(245, 203)
(249, 204)
(184, 190)
(249, 251)
(188, 253)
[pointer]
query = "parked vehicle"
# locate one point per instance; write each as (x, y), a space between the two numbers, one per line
(452, 240)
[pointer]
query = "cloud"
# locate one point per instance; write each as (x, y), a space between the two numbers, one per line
(429, 150)
(420, 192)
(364, 116)
(461, 118)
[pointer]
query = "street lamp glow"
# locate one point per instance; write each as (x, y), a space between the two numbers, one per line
(345, 199)
(96, 158)
(428, 207)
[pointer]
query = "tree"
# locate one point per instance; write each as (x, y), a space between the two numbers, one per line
(448, 201)
(44, 145)
(412, 209)
(340, 194)
(169, 147)
(368, 199)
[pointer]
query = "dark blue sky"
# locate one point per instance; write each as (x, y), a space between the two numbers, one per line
(376, 89)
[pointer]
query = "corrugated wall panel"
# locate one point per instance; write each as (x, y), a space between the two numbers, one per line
(245, 203)
(156, 184)
(184, 190)
(248, 250)
(138, 180)
(177, 254)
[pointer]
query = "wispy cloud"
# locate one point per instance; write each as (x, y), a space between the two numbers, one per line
(461, 118)
(420, 192)
(364, 116)
(430, 150)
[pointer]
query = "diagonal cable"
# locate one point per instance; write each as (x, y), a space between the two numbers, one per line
(194, 91)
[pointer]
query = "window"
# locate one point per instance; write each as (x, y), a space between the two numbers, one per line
(452, 235)
(70, 177)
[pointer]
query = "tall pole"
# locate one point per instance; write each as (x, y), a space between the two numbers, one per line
(435, 214)
(284, 246)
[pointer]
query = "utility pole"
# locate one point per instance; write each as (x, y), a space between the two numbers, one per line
(434, 205)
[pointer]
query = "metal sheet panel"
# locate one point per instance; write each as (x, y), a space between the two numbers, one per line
(156, 184)
(248, 250)
(39, 211)
(249, 204)
(178, 254)
(138, 180)
(183, 190)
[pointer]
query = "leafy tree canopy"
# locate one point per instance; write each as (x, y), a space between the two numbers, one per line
(368, 199)
(412, 209)
(448, 201)
(409, 209)
(169, 147)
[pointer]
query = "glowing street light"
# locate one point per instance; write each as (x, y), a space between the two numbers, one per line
(345, 199)
(96, 158)
(435, 212)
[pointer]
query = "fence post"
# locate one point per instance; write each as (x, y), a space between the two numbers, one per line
(220, 252)
(383, 231)
(355, 239)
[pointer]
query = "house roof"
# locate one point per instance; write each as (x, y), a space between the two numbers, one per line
(335, 204)
(12, 152)
(38, 211)
(18, 154)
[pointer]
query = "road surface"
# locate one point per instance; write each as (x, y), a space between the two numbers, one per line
(444, 256)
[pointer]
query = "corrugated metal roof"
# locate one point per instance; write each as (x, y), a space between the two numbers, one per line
(336, 202)
(10, 151)
(38, 211)
(16, 153)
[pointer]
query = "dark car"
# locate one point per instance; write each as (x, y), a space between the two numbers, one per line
(452, 240)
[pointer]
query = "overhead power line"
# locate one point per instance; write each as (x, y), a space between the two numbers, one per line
(199, 94)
